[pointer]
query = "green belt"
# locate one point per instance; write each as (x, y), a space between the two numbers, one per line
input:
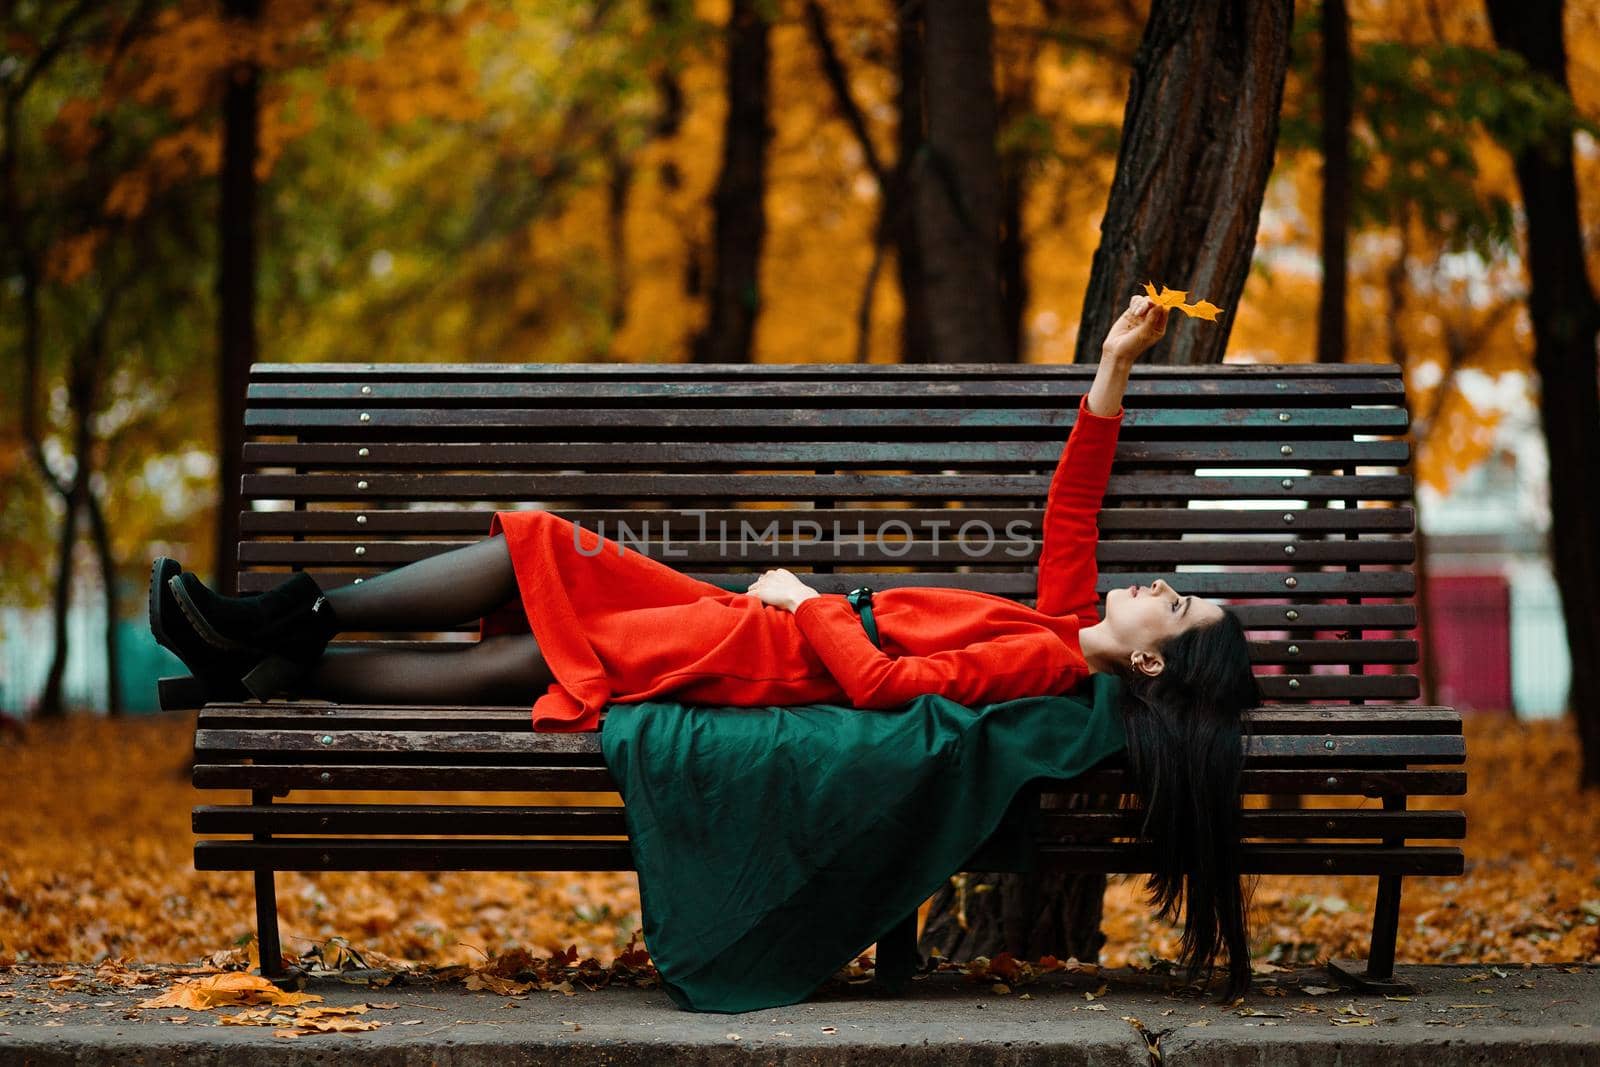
(861, 599)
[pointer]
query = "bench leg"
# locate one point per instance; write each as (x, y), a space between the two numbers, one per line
(267, 925)
(898, 958)
(272, 966)
(1385, 928)
(1378, 975)
(267, 944)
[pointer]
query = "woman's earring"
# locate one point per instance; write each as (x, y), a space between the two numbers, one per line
(1142, 659)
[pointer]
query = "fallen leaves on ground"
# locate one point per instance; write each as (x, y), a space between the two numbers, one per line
(1530, 891)
(1013, 971)
(109, 973)
(97, 864)
(519, 971)
(97, 860)
(297, 1022)
(224, 990)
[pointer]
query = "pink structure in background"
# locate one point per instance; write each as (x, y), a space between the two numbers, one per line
(1471, 642)
(1471, 616)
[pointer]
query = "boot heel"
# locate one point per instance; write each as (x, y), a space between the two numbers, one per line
(181, 692)
(271, 677)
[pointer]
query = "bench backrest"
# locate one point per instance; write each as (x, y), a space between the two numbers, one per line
(1282, 491)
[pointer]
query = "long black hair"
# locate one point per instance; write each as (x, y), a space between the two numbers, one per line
(1185, 729)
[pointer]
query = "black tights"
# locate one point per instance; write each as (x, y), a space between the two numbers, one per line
(445, 590)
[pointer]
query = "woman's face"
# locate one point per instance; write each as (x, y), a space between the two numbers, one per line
(1141, 618)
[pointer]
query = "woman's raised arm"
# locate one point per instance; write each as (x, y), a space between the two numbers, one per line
(1140, 326)
(1067, 569)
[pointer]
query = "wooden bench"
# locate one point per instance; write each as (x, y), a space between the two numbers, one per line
(354, 468)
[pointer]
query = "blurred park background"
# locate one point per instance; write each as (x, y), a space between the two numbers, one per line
(188, 187)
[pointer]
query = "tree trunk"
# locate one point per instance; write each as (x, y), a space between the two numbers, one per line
(619, 180)
(1566, 319)
(1395, 284)
(236, 293)
(1012, 267)
(1197, 145)
(891, 189)
(666, 14)
(1016, 97)
(50, 704)
(1332, 307)
(957, 194)
(916, 342)
(1183, 211)
(1027, 915)
(83, 375)
(27, 263)
(101, 534)
(741, 218)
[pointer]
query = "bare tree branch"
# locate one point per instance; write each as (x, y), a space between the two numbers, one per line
(839, 81)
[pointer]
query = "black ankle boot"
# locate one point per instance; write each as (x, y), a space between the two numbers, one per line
(287, 628)
(218, 672)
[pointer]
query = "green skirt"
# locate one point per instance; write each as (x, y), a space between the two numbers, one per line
(776, 844)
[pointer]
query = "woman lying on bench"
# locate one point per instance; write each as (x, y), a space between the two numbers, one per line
(580, 626)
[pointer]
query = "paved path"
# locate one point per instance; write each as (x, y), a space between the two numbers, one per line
(1505, 1016)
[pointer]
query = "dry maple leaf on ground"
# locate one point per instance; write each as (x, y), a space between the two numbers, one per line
(295, 1022)
(225, 990)
(337, 1025)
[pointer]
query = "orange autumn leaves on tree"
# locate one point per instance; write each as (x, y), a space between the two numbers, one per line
(389, 65)
(1175, 298)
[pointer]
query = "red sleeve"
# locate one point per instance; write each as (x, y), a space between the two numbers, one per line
(985, 671)
(1067, 568)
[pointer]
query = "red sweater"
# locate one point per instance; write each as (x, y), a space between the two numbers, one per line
(616, 626)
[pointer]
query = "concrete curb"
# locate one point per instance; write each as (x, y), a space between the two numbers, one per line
(1541, 1015)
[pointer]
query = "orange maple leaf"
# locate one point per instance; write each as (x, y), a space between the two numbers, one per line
(225, 990)
(1175, 298)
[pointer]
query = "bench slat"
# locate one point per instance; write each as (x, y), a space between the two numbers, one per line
(1142, 390)
(1340, 687)
(863, 424)
(575, 372)
(556, 778)
(756, 546)
(1373, 616)
(308, 715)
(852, 486)
(1016, 583)
(976, 551)
(1271, 616)
(1027, 452)
(1267, 859)
(410, 819)
(1349, 652)
(333, 854)
(335, 745)
(580, 820)
(475, 521)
